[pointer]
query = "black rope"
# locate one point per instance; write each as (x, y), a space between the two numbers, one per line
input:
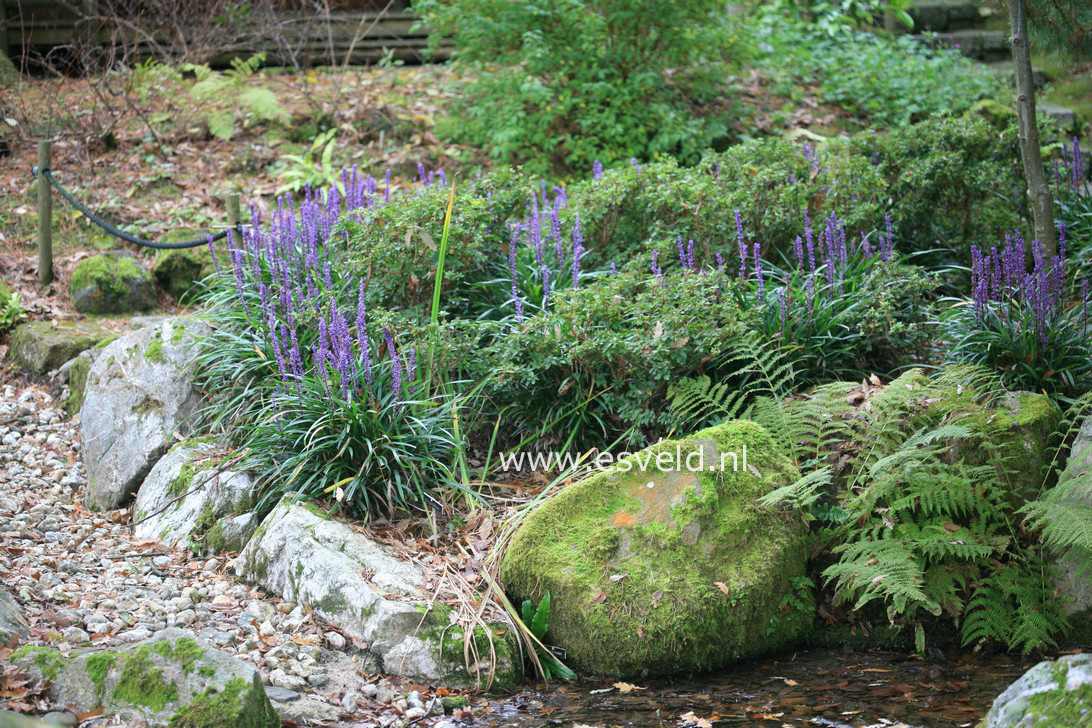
(118, 233)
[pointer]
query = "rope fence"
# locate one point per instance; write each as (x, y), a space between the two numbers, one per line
(45, 218)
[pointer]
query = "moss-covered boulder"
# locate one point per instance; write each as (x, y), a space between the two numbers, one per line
(176, 271)
(42, 346)
(664, 563)
(1053, 693)
(170, 679)
(112, 283)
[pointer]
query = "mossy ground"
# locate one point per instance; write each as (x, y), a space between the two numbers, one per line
(683, 580)
(239, 704)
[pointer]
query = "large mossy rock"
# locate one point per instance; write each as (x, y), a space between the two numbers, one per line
(139, 394)
(657, 568)
(39, 347)
(364, 589)
(112, 283)
(176, 271)
(170, 679)
(187, 499)
(1050, 695)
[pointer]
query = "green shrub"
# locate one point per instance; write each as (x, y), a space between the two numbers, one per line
(393, 246)
(888, 82)
(598, 363)
(558, 85)
(950, 182)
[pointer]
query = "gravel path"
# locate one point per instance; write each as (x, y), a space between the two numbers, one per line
(83, 578)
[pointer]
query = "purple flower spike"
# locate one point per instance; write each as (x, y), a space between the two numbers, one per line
(513, 273)
(798, 251)
(742, 245)
(613, 269)
(396, 365)
(758, 272)
(597, 170)
(578, 249)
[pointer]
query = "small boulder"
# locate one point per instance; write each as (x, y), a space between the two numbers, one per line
(169, 679)
(1071, 579)
(139, 394)
(112, 283)
(664, 563)
(39, 347)
(185, 496)
(345, 577)
(13, 622)
(176, 271)
(1053, 693)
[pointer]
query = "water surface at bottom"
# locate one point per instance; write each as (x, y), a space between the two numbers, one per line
(816, 687)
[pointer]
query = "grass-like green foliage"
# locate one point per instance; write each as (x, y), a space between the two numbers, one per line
(874, 320)
(558, 85)
(884, 81)
(537, 620)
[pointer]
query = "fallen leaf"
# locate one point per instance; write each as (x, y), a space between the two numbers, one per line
(723, 587)
(625, 687)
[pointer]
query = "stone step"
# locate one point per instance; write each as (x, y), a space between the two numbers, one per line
(982, 45)
(1065, 119)
(940, 16)
(1004, 70)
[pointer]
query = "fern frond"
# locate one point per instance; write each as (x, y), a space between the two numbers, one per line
(802, 493)
(697, 401)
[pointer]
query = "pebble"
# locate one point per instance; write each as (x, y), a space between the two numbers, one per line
(81, 574)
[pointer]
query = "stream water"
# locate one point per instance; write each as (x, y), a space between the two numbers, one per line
(815, 687)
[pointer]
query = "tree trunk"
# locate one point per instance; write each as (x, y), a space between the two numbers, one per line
(1042, 203)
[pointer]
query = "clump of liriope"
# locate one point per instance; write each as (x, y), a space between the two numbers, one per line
(297, 380)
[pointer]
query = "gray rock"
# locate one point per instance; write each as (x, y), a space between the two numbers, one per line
(9, 719)
(13, 622)
(1065, 119)
(42, 346)
(1053, 693)
(281, 695)
(345, 576)
(1071, 579)
(112, 283)
(61, 717)
(185, 495)
(139, 394)
(168, 679)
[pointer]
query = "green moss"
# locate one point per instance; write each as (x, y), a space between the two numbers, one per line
(141, 682)
(181, 483)
(154, 352)
(239, 704)
(111, 283)
(1060, 707)
(454, 702)
(206, 671)
(48, 659)
(647, 600)
(313, 508)
(184, 651)
(98, 666)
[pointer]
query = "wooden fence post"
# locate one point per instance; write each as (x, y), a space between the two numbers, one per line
(45, 214)
(233, 214)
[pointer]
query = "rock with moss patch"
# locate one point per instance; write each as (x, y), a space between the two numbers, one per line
(171, 679)
(139, 394)
(39, 347)
(664, 563)
(1053, 693)
(186, 495)
(13, 622)
(1072, 579)
(176, 271)
(360, 586)
(112, 283)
